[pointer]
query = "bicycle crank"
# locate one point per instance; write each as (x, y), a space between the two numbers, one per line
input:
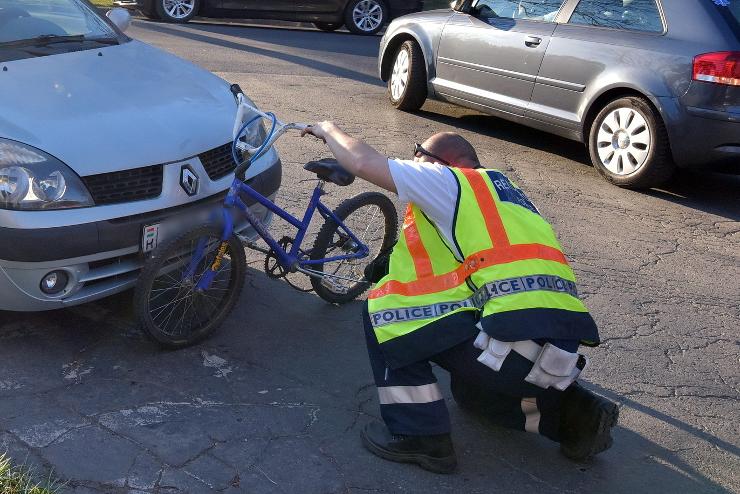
(274, 269)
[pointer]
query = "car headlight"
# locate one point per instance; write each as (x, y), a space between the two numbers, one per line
(255, 134)
(30, 179)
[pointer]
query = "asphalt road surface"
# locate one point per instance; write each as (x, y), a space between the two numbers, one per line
(275, 400)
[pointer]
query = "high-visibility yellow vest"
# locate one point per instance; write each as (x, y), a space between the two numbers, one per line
(513, 277)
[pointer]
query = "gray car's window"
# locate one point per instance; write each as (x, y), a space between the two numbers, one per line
(539, 10)
(636, 15)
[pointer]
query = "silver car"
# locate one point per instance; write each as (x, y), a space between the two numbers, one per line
(108, 146)
(647, 85)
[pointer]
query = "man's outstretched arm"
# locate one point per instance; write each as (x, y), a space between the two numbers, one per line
(354, 155)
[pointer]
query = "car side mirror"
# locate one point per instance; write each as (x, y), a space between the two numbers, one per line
(462, 6)
(120, 18)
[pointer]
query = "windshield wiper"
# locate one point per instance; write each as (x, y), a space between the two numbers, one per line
(50, 39)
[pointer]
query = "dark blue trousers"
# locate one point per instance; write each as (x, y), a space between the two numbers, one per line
(411, 402)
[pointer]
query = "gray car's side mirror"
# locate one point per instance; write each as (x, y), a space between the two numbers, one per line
(120, 17)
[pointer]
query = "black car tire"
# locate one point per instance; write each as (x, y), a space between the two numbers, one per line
(656, 168)
(165, 16)
(413, 95)
(371, 5)
(328, 26)
(149, 12)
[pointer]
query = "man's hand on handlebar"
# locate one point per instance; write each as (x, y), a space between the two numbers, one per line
(319, 130)
(354, 155)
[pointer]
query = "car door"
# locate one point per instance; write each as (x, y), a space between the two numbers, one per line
(260, 5)
(491, 54)
(598, 43)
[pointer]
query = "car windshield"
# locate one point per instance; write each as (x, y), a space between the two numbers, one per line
(47, 20)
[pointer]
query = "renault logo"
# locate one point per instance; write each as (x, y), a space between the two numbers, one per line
(188, 180)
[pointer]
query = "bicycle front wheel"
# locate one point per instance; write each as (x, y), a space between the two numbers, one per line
(169, 307)
(372, 218)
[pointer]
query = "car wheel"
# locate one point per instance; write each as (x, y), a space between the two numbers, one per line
(150, 13)
(365, 16)
(628, 144)
(407, 84)
(176, 10)
(328, 26)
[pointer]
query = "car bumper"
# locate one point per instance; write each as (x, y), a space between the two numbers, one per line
(702, 137)
(132, 4)
(103, 257)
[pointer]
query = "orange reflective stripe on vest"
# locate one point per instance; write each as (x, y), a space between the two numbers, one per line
(422, 263)
(502, 252)
(473, 263)
(487, 205)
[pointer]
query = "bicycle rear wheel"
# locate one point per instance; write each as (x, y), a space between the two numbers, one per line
(372, 218)
(166, 301)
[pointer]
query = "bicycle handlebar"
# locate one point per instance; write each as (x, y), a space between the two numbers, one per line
(278, 129)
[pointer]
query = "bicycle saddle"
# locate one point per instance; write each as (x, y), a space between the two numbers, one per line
(328, 169)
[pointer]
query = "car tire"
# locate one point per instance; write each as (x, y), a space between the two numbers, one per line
(150, 13)
(407, 83)
(365, 16)
(328, 26)
(628, 144)
(177, 11)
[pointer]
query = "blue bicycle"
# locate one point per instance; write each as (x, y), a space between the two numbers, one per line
(189, 285)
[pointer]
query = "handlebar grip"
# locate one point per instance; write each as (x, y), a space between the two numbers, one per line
(236, 90)
(240, 171)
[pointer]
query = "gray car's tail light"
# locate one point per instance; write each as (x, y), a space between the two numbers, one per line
(722, 67)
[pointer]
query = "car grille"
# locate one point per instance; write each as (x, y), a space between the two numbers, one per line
(125, 186)
(218, 162)
(146, 183)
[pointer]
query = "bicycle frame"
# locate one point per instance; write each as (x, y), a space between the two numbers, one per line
(289, 260)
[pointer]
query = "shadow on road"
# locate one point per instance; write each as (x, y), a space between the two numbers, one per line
(276, 338)
(337, 42)
(325, 67)
(703, 190)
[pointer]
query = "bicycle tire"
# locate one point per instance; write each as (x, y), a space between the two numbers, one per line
(179, 248)
(324, 241)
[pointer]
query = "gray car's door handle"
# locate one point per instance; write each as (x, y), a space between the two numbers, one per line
(532, 41)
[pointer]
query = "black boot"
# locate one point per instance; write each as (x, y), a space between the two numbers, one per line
(433, 453)
(585, 423)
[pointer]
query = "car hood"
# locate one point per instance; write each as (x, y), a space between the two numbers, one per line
(114, 108)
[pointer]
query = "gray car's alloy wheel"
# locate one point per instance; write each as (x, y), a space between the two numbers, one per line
(628, 144)
(176, 10)
(365, 16)
(407, 84)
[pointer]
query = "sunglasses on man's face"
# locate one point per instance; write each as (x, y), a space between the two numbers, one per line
(420, 151)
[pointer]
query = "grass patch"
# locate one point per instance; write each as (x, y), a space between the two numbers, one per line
(102, 3)
(19, 479)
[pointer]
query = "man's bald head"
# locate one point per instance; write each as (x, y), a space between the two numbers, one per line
(453, 148)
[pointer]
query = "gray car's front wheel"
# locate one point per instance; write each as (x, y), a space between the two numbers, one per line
(176, 10)
(628, 144)
(407, 84)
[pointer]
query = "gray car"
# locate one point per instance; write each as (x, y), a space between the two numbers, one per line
(647, 85)
(108, 147)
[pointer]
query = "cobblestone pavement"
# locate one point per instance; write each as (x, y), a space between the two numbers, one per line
(275, 400)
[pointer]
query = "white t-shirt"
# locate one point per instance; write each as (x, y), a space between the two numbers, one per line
(433, 188)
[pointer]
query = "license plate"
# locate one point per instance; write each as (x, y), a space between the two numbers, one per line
(149, 238)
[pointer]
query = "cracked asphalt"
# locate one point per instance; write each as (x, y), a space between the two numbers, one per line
(275, 400)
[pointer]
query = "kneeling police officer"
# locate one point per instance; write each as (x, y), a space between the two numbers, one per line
(479, 285)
